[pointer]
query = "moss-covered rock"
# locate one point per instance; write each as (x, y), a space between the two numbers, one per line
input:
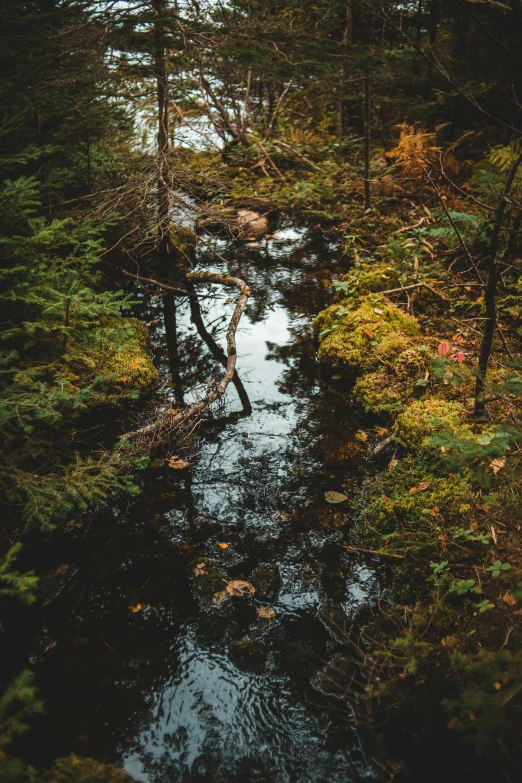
(114, 358)
(368, 277)
(413, 498)
(388, 389)
(354, 340)
(423, 418)
(74, 769)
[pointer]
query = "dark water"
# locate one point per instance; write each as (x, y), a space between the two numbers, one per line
(180, 689)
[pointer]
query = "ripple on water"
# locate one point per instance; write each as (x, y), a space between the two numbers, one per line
(213, 719)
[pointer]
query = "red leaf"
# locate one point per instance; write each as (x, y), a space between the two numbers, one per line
(460, 357)
(443, 349)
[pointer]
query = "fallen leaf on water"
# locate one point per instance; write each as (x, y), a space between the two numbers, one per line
(509, 599)
(361, 435)
(220, 598)
(334, 497)
(266, 612)
(136, 608)
(238, 587)
(178, 464)
(497, 464)
(223, 546)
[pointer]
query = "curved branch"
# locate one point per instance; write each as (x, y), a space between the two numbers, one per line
(172, 418)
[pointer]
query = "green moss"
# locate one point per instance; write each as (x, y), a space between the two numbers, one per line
(368, 277)
(114, 358)
(398, 505)
(355, 340)
(74, 769)
(424, 417)
(388, 389)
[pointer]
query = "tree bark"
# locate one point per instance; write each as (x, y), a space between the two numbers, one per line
(367, 137)
(491, 290)
(162, 96)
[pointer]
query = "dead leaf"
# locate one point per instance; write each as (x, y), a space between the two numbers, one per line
(497, 464)
(239, 587)
(62, 569)
(497, 686)
(378, 311)
(201, 565)
(443, 349)
(369, 335)
(509, 599)
(178, 464)
(135, 609)
(266, 612)
(412, 489)
(423, 485)
(393, 463)
(334, 497)
(220, 598)
(223, 546)
(493, 534)
(361, 435)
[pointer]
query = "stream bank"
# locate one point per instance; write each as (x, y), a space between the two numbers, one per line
(135, 663)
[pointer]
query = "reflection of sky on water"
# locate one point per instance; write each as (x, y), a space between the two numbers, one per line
(212, 720)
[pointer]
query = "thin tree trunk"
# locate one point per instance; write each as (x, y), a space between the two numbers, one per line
(171, 337)
(367, 137)
(160, 68)
(491, 290)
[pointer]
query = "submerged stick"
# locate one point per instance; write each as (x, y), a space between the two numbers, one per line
(170, 419)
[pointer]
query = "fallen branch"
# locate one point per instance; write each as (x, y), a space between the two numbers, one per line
(382, 445)
(172, 418)
(414, 285)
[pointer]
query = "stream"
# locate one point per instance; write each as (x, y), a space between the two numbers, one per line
(135, 662)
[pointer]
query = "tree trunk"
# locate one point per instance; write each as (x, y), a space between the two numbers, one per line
(491, 290)
(367, 137)
(433, 21)
(171, 337)
(162, 96)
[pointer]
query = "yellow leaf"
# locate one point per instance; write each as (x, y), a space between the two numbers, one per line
(223, 546)
(178, 464)
(135, 608)
(497, 464)
(238, 587)
(266, 612)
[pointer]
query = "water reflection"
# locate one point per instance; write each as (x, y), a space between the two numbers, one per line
(180, 689)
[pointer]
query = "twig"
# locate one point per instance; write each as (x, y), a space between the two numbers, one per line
(414, 285)
(372, 551)
(454, 226)
(136, 276)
